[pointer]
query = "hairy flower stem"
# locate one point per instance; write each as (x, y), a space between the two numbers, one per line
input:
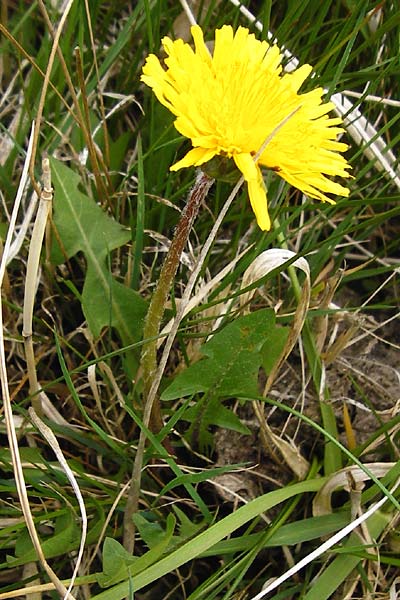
(152, 410)
(160, 296)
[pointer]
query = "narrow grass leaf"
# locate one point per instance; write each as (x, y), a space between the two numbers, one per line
(210, 537)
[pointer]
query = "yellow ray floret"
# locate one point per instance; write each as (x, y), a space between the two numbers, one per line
(230, 102)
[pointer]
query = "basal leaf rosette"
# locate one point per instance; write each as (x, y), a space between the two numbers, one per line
(230, 102)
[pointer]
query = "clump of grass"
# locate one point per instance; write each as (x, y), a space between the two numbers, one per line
(238, 486)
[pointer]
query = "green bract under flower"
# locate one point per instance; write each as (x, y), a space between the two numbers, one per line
(229, 103)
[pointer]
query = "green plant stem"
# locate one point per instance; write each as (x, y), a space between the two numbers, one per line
(160, 296)
(152, 410)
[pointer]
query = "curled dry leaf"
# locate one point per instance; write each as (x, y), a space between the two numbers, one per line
(289, 451)
(265, 263)
(322, 501)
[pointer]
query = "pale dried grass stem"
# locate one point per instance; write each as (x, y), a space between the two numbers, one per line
(53, 443)
(32, 271)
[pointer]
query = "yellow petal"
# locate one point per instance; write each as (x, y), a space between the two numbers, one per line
(194, 158)
(247, 166)
(201, 48)
(297, 77)
(259, 204)
(255, 185)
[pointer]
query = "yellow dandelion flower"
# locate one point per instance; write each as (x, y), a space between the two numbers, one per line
(228, 103)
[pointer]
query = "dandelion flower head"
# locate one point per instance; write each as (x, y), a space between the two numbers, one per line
(230, 102)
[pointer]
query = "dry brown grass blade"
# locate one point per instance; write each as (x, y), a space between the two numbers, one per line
(94, 154)
(100, 95)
